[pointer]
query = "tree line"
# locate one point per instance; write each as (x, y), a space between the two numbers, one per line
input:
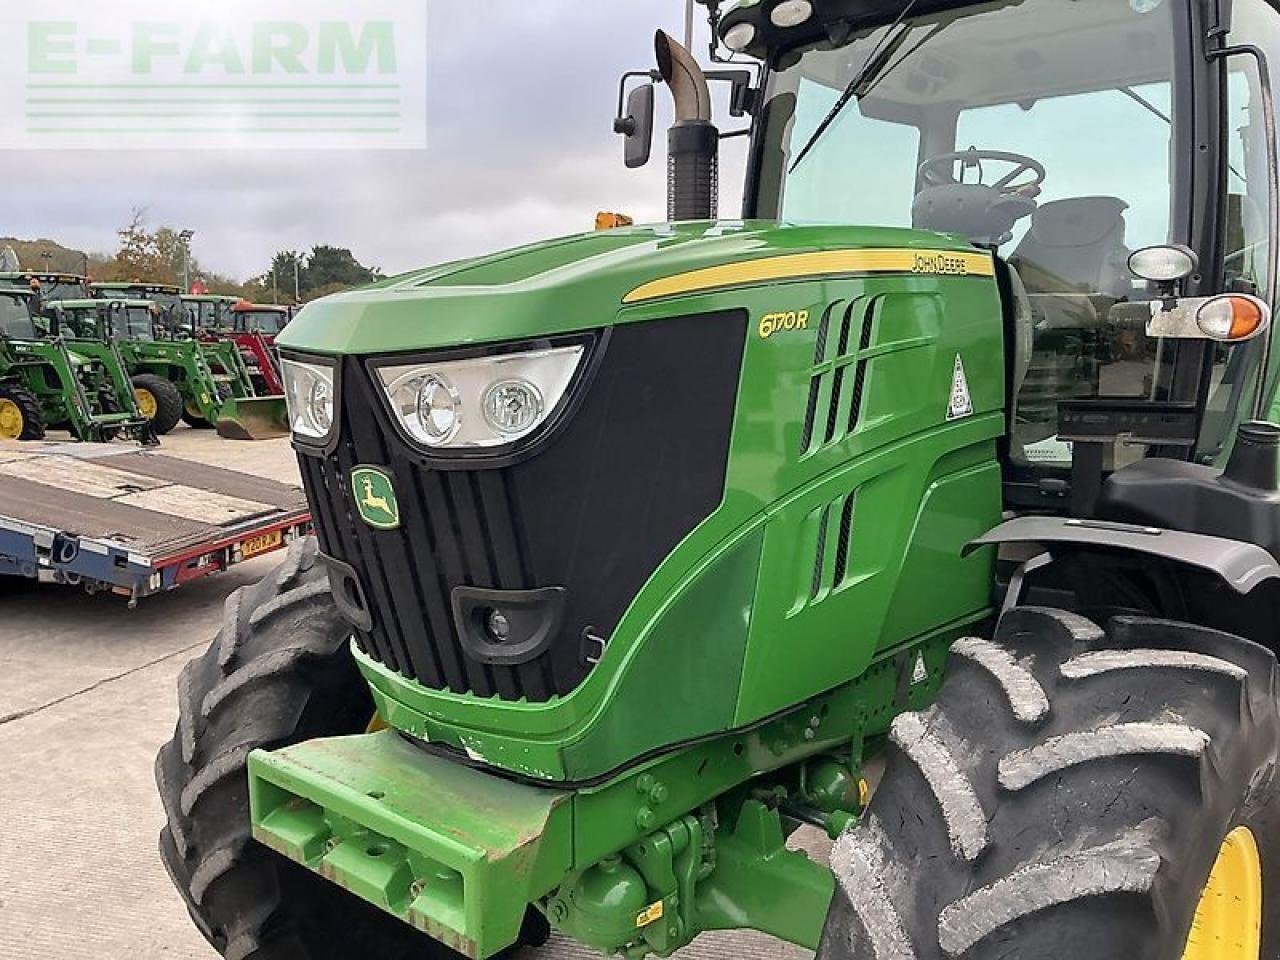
(164, 254)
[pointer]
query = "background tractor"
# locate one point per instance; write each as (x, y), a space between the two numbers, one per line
(933, 505)
(255, 327)
(221, 320)
(207, 368)
(45, 383)
(121, 334)
(255, 407)
(48, 286)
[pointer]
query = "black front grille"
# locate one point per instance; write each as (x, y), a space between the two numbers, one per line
(639, 462)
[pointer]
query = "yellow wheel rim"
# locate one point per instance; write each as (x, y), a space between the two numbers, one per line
(146, 403)
(1228, 923)
(12, 423)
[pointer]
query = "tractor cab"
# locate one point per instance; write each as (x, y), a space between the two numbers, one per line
(17, 321)
(208, 314)
(1110, 164)
(49, 287)
(172, 315)
(105, 320)
(266, 319)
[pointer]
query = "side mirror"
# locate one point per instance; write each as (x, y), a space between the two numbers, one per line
(636, 125)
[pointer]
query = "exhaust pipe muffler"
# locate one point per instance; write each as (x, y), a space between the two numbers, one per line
(693, 142)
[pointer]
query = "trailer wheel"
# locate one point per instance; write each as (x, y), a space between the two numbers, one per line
(279, 672)
(21, 417)
(159, 401)
(1075, 792)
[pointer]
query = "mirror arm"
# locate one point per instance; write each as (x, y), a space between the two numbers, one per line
(1273, 204)
(653, 76)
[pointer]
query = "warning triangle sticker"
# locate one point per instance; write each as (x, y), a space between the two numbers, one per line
(921, 672)
(961, 405)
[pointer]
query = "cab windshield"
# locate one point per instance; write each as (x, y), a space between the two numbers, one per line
(131, 322)
(80, 323)
(15, 318)
(135, 324)
(206, 314)
(270, 322)
(52, 291)
(1043, 129)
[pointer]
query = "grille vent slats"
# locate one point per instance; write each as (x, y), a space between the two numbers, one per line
(837, 386)
(834, 550)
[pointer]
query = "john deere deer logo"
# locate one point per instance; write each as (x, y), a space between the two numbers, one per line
(375, 498)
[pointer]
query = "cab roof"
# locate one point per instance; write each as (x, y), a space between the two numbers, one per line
(137, 285)
(94, 304)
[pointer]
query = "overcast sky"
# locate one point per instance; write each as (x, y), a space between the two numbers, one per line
(521, 96)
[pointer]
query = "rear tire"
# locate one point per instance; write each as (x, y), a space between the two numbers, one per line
(166, 398)
(279, 672)
(21, 416)
(1068, 795)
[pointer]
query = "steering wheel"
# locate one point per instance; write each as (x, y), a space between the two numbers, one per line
(940, 171)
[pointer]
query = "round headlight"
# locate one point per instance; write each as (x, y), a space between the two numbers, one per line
(740, 36)
(1163, 264)
(320, 405)
(439, 410)
(791, 13)
(511, 407)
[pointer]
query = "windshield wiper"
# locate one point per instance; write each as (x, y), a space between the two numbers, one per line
(889, 44)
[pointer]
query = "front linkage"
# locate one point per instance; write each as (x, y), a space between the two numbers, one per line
(640, 863)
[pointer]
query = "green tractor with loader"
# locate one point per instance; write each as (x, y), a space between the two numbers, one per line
(162, 380)
(935, 505)
(46, 383)
(208, 370)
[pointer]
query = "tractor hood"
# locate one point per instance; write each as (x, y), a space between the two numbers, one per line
(571, 284)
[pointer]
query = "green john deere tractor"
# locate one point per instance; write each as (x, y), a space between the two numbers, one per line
(50, 287)
(210, 373)
(252, 407)
(934, 505)
(121, 334)
(45, 382)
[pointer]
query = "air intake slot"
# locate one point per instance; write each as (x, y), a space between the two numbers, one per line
(831, 531)
(839, 380)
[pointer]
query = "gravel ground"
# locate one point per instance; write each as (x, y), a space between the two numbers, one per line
(86, 699)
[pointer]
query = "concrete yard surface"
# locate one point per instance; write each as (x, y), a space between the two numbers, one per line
(86, 699)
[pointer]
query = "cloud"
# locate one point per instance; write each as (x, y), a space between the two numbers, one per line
(520, 97)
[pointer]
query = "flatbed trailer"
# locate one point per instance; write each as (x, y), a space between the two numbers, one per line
(134, 522)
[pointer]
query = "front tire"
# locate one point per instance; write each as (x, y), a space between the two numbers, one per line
(1070, 793)
(279, 672)
(192, 418)
(21, 417)
(159, 401)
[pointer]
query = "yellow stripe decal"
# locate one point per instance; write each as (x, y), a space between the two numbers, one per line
(936, 263)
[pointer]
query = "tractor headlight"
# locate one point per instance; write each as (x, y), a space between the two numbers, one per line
(481, 403)
(309, 393)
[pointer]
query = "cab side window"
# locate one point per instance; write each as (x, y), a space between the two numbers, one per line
(1247, 247)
